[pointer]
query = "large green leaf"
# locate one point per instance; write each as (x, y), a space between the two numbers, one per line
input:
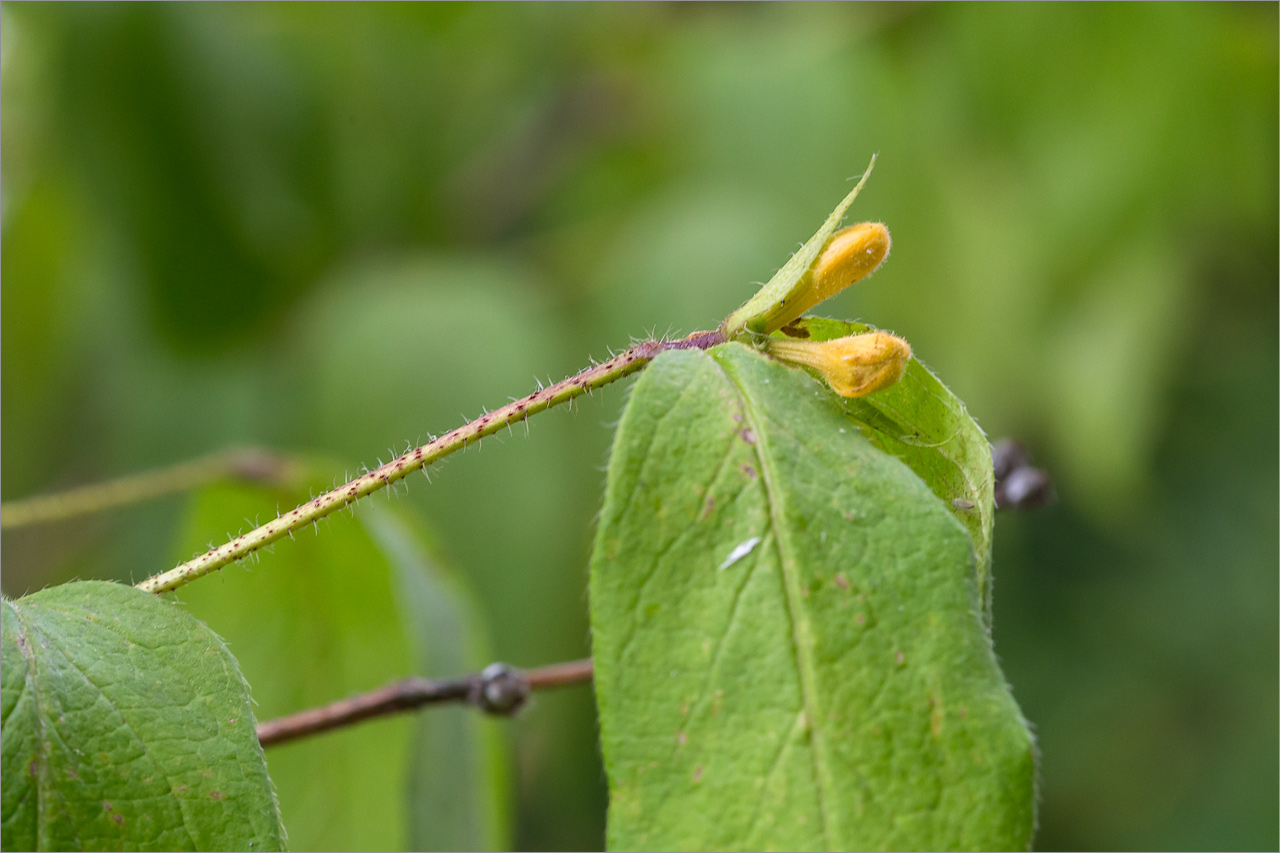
(787, 629)
(127, 725)
(314, 621)
(922, 423)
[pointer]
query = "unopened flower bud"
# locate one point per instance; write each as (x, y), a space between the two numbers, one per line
(851, 254)
(854, 366)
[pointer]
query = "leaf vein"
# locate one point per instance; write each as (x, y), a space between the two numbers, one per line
(787, 562)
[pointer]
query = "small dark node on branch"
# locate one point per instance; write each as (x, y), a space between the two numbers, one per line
(256, 465)
(1018, 485)
(498, 689)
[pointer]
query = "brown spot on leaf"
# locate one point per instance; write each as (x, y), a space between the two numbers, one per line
(900, 658)
(749, 471)
(748, 436)
(697, 773)
(794, 330)
(34, 768)
(119, 819)
(841, 582)
(217, 795)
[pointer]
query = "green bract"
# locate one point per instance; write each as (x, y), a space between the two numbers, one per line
(788, 634)
(127, 725)
(759, 312)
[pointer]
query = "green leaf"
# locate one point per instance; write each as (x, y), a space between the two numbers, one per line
(787, 632)
(315, 620)
(127, 725)
(459, 776)
(757, 312)
(921, 422)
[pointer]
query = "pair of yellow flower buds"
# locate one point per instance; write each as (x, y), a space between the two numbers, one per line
(853, 366)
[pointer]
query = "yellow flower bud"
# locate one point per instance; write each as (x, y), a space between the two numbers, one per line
(854, 366)
(851, 254)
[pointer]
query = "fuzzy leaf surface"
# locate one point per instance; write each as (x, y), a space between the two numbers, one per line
(788, 638)
(126, 725)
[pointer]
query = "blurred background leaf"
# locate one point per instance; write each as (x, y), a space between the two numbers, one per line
(342, 228)
(458, 790)
(317, 623)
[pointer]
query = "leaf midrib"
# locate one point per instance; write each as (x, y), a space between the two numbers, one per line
(786, 560)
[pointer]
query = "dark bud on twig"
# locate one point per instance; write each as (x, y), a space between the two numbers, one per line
(500, 690)
(1006, 455)
(1018, 485)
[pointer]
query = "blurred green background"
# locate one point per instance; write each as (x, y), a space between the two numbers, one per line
(333, 230)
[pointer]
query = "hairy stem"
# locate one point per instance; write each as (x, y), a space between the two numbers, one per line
(615, 368)
(253, 465)
(498, 689)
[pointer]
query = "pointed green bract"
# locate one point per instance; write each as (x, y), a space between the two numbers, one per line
(127, 725)
(787, 632)
(921, 422)
(756, 313)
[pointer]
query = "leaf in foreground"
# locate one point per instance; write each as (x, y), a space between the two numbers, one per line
(787, 631)
(126, 725)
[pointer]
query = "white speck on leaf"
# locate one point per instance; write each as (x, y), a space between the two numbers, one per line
(738, 553)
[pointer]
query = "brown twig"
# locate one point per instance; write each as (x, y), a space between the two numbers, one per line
(498, 689)
(559, 674)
